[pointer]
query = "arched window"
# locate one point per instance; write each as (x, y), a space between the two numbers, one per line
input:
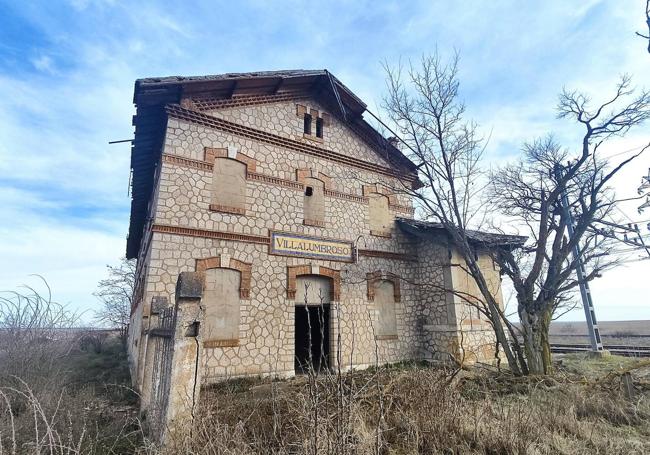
(314, 202)
(379, 215)
(228, 186)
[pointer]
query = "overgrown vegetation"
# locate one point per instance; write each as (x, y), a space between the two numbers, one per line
(415, 409)
(80, 402)
(62, 390)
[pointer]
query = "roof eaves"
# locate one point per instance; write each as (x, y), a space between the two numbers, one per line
(418, 227)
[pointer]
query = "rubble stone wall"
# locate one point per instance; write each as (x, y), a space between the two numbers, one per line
(186, 230)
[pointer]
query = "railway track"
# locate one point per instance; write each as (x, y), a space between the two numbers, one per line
(616, 349)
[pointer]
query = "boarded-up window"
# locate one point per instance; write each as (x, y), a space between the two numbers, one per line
(380, 218)
(228, 186)
(221, 300)
(314, 202)
(385, 304)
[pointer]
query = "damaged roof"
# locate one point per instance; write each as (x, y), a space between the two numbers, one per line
(151, 96)
(481, 238)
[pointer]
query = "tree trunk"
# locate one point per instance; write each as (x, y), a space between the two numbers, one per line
(517, 367)
(535, 327)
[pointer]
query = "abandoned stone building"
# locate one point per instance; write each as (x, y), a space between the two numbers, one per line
(279, 197)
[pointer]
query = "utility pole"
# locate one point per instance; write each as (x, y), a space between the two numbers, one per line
(585, 293)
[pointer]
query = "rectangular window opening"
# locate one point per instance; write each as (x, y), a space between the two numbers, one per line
(307, 124)
(319, 127)
(309, 191)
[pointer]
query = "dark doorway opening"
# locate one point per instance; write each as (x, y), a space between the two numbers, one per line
(312, 341)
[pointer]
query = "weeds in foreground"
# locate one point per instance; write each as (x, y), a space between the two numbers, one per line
(423, 413)
(81, 404)
(480, 412)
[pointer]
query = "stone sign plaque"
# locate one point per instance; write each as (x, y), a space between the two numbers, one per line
(285, 244)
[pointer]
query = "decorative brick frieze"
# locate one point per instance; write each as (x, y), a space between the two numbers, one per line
(265, 240)
(387, 255)
(210, 103)
(203, 233)
(274, 181)
(175, 111)
(211, 153)
(294, 271)
(346, 196)
(268, 179)
(227, 209)
(187, 162)
(243, 268)
(372, 278)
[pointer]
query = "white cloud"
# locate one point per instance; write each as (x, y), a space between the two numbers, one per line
(44, 63)
(63, 189)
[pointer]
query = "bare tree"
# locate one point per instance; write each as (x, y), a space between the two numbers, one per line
(448, 151)
(116, 294)
(647, 20)
(428, 115)
(530, 194)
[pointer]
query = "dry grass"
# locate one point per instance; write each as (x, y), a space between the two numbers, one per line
(58, 398)
(84, 407)
(59, 393)
(406, 409)
(416, 410)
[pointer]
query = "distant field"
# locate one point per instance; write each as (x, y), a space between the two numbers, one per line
(617, 328)
(633, 333)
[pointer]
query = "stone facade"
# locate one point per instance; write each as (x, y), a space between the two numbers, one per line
(231, 174)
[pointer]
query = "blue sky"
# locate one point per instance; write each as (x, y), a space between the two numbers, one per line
(67, 71)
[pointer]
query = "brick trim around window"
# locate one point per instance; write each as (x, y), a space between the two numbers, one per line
(372, 278)
(222, 261)
(294, 271)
